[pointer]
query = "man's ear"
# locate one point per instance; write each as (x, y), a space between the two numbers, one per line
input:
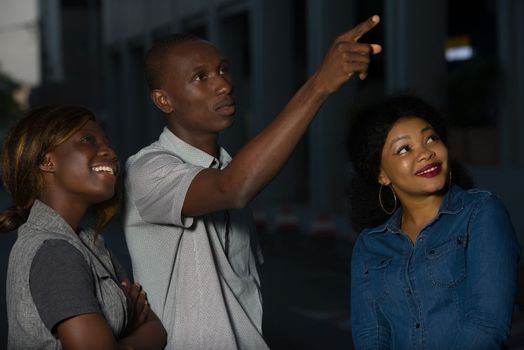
(47, 165)
(161, 100)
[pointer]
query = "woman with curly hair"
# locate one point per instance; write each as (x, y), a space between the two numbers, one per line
(64, 287)
(435, 264)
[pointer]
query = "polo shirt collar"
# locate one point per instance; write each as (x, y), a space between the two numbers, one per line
(192, 155)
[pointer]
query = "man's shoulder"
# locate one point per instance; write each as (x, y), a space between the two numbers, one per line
(149, 155)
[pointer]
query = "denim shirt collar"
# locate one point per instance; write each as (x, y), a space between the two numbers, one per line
(191, 154)
(452, 204)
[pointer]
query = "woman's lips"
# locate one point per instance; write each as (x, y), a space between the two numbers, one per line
(430, 170)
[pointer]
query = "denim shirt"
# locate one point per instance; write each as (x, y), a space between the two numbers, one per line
(452, 289)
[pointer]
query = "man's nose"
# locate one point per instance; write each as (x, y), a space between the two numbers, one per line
(223, 85)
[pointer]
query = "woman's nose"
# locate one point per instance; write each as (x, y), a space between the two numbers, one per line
(106, 150)
(426, 154)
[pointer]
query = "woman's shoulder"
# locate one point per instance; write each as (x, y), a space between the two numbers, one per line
(483, 203)
(368, 235)
(34, 241)
(29, 240)
(57, 245)
(27, 247)
(478, 193)
(58, 251)
(481, 197)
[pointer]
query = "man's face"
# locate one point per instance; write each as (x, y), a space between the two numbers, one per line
(197, 87)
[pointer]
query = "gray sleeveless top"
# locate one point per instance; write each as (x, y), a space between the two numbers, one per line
(26, 329)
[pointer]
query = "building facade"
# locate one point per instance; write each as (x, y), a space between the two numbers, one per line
(275, 45)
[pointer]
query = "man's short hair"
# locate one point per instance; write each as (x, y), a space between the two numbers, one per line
(155, 57)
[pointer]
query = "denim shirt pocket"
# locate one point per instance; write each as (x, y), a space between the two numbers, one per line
(375, 270)
(446, 262)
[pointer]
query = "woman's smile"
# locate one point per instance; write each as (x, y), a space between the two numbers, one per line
(430, 170)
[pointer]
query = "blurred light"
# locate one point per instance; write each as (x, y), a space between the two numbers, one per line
(461, 53)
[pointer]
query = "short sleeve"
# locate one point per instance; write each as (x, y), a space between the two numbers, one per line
(157, 184)
(61, 283)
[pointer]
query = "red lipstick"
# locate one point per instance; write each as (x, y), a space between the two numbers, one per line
(430, 170)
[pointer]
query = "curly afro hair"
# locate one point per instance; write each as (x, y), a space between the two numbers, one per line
(366, 139)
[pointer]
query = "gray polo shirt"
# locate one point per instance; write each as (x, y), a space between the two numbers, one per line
(200, 273)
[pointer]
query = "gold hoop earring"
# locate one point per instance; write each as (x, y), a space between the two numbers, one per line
(382, 204)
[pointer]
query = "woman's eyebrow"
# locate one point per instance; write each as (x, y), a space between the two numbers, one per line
(396, 139)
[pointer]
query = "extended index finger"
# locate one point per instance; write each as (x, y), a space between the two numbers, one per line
(361, 29)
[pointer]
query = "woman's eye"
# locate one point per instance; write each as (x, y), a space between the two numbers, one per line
(433, 138)
(403, 150)
(87, 139)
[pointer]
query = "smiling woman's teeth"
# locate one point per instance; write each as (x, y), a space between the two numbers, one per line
(429, 170)
(104, 168)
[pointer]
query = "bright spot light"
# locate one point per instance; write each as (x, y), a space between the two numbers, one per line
(460, 53)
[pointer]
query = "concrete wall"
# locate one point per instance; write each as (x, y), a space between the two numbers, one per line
(261, 36)
(20, 41)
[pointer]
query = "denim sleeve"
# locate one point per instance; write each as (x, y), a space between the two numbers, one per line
(491, 282)
(369, 328)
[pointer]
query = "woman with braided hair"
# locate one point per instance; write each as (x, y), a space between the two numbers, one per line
(64, 287)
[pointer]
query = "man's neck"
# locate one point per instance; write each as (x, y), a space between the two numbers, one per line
(204, 142)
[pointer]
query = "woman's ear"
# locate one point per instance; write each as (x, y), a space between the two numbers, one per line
(383, 179)
(161, 100)
(47, 165)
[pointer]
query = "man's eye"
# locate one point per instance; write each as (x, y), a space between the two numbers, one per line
(200, 76)
(223, 70)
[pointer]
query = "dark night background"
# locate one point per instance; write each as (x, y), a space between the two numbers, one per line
(91, 53)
